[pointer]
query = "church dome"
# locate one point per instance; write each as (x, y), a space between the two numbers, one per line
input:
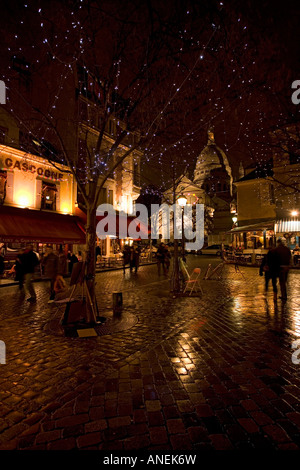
(211, 158)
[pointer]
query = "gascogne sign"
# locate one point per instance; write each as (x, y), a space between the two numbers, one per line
(28, 167)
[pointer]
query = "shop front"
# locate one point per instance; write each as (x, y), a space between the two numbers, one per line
(254, 237)
(21, 227)
(110, 246)
(290, 230)
(37, 204)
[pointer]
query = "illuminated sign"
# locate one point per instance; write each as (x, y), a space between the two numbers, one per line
(27, 167)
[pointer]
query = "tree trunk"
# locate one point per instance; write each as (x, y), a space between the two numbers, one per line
(91, 253)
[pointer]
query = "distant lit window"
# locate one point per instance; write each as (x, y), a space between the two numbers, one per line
(49, 192)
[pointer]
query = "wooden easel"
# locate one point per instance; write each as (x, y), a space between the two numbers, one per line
(78, 307)
(217, 271)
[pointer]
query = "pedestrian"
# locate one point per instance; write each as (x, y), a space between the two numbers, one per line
(160, 257)
(285, 255)
(29, 262)
(62, 263)
(132, 259)
(98, 251)
(270, 267)
(19, 274)
(79, 256)
(73, 260)
(167, 260)
(50, 263)
(126, 257)
(135, 258)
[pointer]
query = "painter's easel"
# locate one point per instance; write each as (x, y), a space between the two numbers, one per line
(78, 307)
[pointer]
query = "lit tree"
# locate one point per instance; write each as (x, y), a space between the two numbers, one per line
(160, 72)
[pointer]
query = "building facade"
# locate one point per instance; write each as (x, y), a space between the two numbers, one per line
(268, 201)
(210, 184)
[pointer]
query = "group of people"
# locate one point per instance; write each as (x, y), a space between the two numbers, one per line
(131, 256)
(53, 264)
(276, 265)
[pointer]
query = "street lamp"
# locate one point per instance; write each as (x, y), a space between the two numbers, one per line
(234, 220)
(294, 214)
(182, 200)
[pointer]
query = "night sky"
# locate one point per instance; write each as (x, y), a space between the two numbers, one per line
(229, 65)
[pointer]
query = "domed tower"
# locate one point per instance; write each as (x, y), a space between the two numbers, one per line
(212, 171)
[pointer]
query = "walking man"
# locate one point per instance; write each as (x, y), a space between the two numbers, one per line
(271, 267)
(29, 262)
(284, 254)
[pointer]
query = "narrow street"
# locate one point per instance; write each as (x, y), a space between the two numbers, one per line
(213, 371)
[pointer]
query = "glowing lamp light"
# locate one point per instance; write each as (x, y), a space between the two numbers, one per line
(182, 200)
(234, 220)
(294, 213)
(23, 200)
(66, 210)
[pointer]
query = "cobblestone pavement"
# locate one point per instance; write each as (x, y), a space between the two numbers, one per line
(190, 373)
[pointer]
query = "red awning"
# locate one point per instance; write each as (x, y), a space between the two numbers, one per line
(25, 225)
(142, 230)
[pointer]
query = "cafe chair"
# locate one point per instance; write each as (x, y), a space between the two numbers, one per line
(193, 282)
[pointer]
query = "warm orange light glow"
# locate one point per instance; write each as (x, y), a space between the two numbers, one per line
(24, 199)
(66, 209)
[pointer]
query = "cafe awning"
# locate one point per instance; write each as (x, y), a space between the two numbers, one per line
(115, 223)
(25, 225)
(267, 225)
(287, 226)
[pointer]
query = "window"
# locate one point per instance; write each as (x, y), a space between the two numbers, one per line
(49, 192)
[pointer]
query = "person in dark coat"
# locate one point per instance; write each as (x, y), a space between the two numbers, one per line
(134, 258)
(29, 261)
(270, 267)
(62, 263)
(160, 256)
(19, 274)
(126, 257)
(285, 256)
(167, 258)
(73, 260)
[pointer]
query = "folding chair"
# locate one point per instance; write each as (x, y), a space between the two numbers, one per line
(193, 282)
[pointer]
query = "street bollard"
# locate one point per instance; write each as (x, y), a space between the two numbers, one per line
(117, 303)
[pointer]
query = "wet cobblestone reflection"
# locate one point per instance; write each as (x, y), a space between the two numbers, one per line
(192, 373)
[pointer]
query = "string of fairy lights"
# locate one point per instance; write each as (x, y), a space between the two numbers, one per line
(222, 99)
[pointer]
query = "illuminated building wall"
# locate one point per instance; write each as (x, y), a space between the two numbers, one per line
(31, 182)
